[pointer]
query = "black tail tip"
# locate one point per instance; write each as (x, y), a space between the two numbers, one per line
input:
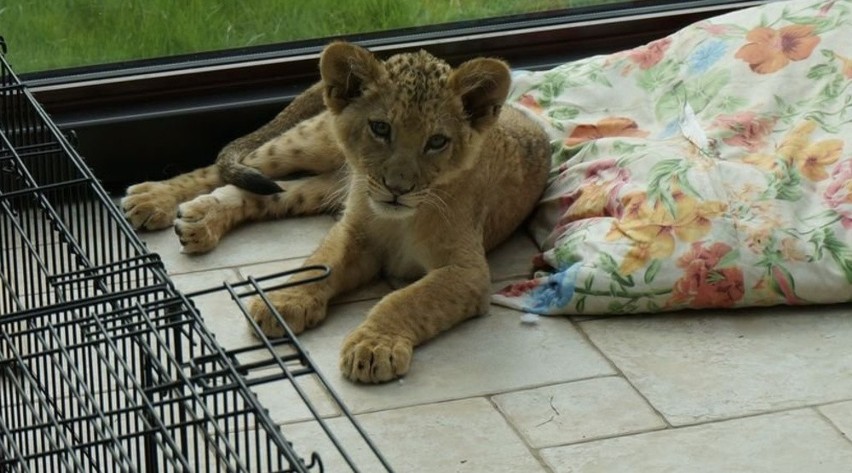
(257, 183)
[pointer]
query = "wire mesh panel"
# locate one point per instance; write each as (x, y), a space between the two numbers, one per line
(104, 365)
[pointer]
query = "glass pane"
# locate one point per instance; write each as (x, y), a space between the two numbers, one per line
(53, 34)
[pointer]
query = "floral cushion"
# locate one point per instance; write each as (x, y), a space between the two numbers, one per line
(711, 168)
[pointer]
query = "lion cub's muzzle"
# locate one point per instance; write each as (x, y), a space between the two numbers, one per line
(394, 198)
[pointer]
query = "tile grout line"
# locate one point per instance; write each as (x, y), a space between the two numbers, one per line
(701, 424)
(535, 452)
(482, 395)
(830, 422)
(620, 373)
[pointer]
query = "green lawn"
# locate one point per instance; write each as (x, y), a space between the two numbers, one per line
(51, 34)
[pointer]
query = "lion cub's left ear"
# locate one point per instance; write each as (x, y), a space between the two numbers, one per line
(483, 85)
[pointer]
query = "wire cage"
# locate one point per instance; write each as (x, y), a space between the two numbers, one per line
(104, 365)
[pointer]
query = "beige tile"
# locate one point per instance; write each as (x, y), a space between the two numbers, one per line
(700, 366)
(578, 411)
(790, 442)
(486, 355)
(288, 401)
(220, 314)
(513, 258)
(249, 244)
(308, 440)
(840, 415)
(466, 436)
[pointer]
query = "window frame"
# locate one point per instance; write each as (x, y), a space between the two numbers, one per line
(169, 116)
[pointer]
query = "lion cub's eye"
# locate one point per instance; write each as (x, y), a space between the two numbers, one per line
(436, 143)
(380, 129)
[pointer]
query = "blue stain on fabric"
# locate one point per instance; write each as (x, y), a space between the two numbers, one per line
(555, 292)
(705, 56)
(671, 129)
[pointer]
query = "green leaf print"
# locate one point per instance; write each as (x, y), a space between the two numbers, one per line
(607, 263)
(725, 105)
(708, 88)
(652, 306)
(821, 70)
(662, 74)
(839, 251)
(587, 286)
(833, 89)
(670, 105)
(786, 111)
(652, 271)
(551, 87)
(662, 176)
(820, 118)
(786, 185)
(581, 304)
(729, 259)
(563, 113)
(566, 252)
(623, 147)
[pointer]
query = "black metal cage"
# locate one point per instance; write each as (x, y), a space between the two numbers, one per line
(104, 365)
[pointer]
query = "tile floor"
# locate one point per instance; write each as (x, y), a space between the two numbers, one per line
(759, 390)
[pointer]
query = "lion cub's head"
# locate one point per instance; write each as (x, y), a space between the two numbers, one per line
(410, 123)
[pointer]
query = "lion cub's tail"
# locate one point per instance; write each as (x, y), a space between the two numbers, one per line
(230, 160)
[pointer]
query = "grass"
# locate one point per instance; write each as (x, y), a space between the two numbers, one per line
(54, 34)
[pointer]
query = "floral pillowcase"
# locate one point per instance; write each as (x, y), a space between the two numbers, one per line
(711, 168)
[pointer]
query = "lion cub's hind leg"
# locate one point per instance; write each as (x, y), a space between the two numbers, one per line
(203, 221)
(308, 147)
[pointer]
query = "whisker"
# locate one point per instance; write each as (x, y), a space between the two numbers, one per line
(431, 198)
(336, 199)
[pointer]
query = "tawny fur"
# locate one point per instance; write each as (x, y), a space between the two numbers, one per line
(454, 175)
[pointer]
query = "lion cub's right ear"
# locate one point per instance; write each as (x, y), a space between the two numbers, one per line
(346, 69)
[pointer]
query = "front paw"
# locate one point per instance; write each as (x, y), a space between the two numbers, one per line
(149, 206)
(299, 309)
(199, 224)
(370, 356)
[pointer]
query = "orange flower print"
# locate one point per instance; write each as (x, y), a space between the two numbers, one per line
(596, 194)
(649, 55)
(770, 50)
(654, 230)
(811, 162)
(747, 129)
(530, 103)
(796, 140)
(791, 250)
(847, 65)
(758, 239)
(605, 127)
(703, 284)
(767, 162)
(810, 158)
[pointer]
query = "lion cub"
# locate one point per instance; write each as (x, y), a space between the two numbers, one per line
(431, 172)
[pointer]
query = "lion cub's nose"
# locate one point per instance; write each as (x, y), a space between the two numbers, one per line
(397, 188)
